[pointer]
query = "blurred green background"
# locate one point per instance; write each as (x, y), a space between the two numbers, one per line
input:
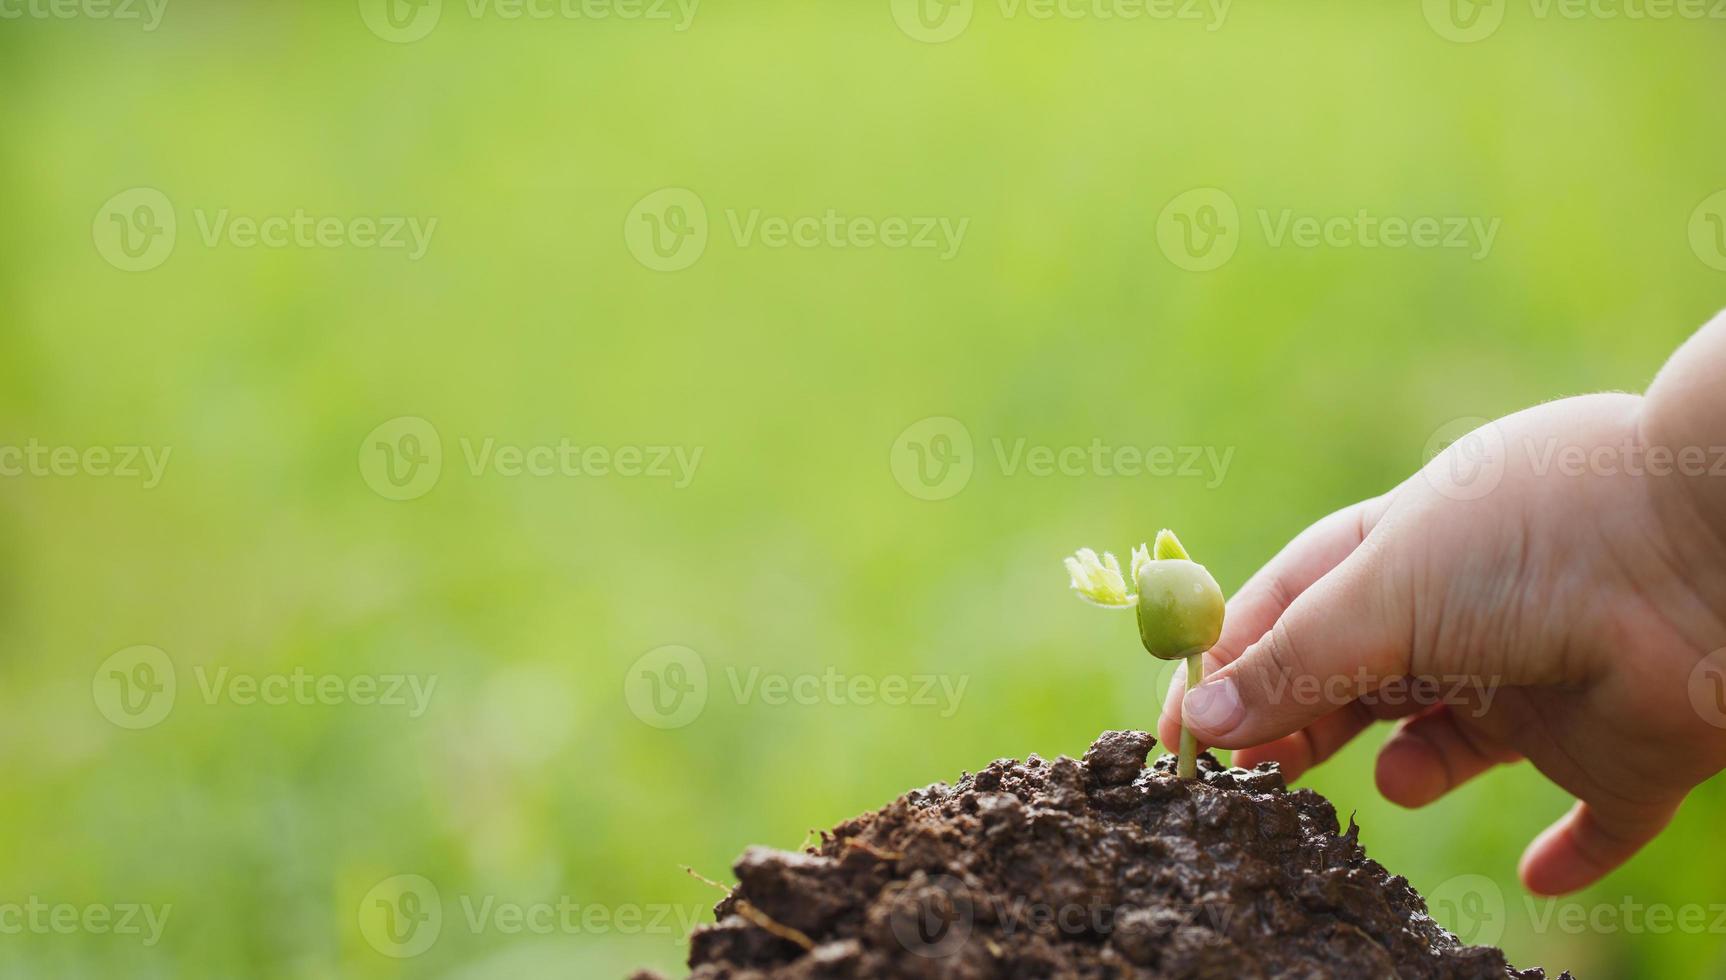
(1063, 318)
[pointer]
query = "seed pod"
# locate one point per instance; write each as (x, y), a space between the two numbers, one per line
(1180, 606)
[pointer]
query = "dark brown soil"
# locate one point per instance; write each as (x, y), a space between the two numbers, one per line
(1093, 868)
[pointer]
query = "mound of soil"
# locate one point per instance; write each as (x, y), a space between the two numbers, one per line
(1084, 868)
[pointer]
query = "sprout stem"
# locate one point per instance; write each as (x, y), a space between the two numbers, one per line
(1188, 767)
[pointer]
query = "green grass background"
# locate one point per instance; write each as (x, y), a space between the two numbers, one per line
(1324, 370)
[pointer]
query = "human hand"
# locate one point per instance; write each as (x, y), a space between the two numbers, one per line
(1560, 616)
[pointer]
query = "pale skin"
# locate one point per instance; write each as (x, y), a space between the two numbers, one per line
(1584, 601)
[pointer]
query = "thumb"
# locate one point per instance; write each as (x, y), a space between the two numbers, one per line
(1343, 636)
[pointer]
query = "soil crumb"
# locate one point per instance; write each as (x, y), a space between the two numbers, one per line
(1092, 868)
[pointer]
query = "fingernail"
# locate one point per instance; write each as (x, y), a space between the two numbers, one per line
(1214, 706)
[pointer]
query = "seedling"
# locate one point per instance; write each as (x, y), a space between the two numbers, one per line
(1180, 609)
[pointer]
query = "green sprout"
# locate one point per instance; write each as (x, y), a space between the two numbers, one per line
(1180, 609)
